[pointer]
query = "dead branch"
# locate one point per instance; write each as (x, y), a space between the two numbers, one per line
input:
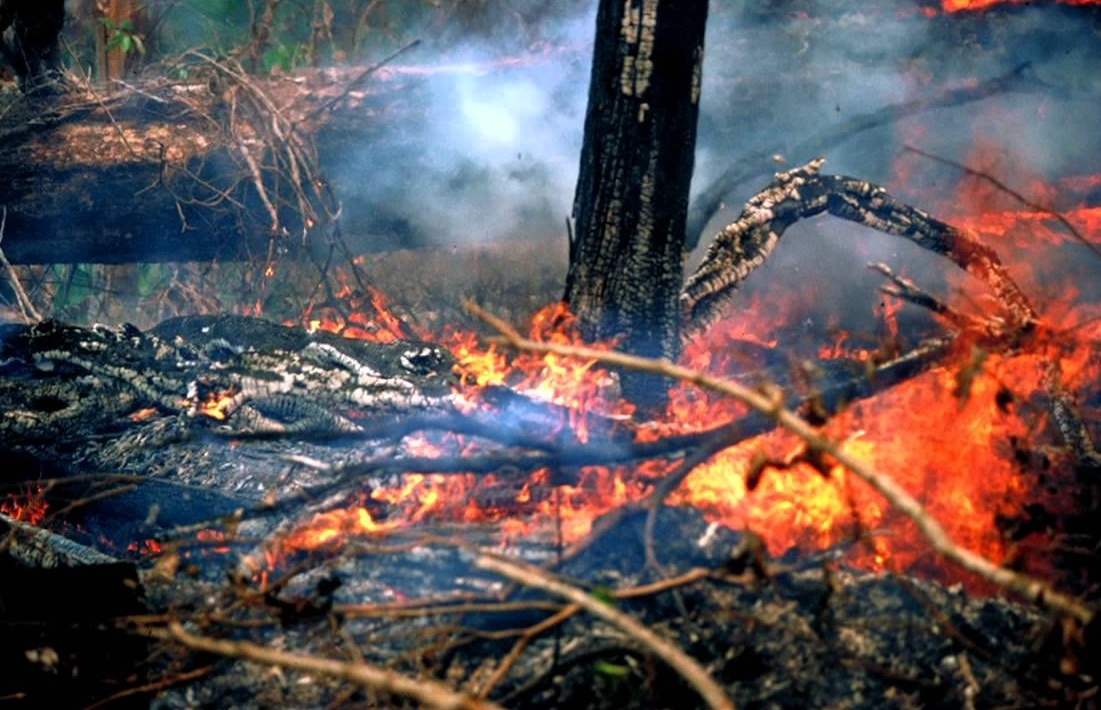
(373, 678)
(910, 292)
(803, 192)
(686, 666)
(769, 401)
(1068, 418)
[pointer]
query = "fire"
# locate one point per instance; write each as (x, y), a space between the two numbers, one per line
(333, 527)
(952, 436)
(219, 405)
(957, 437)
(29, 506)
(364, 314)
(961, 5)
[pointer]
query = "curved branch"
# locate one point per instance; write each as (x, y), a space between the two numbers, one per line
(802, 193)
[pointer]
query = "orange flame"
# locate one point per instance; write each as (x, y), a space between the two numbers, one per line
(219, 405)
(954, 437)
(29, 506)
(961, 5)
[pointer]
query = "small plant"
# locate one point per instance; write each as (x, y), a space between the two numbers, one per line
(122, 36)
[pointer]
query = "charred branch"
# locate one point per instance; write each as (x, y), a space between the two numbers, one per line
(801, 193)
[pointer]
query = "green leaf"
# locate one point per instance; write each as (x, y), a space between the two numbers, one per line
(611, 670)
(150, 279)
(605, 595)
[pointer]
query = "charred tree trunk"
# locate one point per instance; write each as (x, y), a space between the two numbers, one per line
(626, 257)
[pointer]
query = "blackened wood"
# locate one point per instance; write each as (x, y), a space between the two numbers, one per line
(626, 256)
(31, 546)
(801, 193)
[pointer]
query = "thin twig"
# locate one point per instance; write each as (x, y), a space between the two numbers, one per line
(423, 690)
(689, 669)
(910, 292)
(1054, 214)
(769, 401)
(561, 616)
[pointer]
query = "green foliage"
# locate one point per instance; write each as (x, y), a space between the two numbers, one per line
(78, 284)
(312, 32)
(123, 37)
(152, 279)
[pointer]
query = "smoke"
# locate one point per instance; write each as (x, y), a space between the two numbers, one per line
(495, 155)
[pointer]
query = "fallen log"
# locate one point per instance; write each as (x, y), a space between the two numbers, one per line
(219, 165)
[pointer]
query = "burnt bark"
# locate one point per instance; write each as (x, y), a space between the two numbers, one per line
(627, 253)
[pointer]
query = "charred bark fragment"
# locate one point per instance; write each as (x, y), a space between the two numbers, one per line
(626, 258)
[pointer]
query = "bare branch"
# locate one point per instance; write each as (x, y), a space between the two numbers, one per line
(423, 690)
(802, 193)
(685, 665)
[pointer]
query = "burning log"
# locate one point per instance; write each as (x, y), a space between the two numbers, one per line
(281, 379)
(33, 547)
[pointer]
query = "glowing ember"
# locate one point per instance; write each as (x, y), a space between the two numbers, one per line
(28, 507)
(219, 405)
